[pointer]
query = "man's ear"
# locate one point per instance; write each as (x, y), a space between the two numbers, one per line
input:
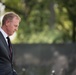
(7, 22)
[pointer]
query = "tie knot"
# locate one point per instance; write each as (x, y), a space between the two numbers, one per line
(8, 39)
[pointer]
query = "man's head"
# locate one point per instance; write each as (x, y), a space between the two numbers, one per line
(10, 22)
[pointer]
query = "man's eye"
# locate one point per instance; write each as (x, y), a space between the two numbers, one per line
(15, 25)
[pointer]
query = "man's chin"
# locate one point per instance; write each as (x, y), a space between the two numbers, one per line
(10, 34)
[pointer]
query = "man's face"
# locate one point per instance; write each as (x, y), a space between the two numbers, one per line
(12, 26)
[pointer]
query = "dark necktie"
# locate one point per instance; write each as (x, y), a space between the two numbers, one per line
(10, 47)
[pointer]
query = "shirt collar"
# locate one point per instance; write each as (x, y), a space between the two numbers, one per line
(3, 32)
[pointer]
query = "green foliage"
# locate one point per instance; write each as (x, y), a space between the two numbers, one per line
(63, 24)
(36, 26)
(68, 15)
(16, 4)
(36, 21)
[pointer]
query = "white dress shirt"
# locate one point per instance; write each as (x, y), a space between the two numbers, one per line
(4, 34)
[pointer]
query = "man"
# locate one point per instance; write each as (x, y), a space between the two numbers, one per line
(10, 24)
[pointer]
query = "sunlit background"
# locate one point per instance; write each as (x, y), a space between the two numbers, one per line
(45, 43)
(43, 21)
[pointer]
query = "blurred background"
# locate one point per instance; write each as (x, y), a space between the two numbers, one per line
(45, 43)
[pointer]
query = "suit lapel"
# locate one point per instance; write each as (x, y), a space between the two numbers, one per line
(3, 39)
(6, 49)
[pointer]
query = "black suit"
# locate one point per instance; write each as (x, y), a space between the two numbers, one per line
(6, 67)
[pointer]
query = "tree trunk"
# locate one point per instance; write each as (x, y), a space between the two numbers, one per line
(74, 31)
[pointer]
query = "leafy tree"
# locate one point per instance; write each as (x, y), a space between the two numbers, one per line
(69, 8)
(44, 21)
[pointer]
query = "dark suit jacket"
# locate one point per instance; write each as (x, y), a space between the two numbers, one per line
(6, 67)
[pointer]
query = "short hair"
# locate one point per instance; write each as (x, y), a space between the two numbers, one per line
(10, 16)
